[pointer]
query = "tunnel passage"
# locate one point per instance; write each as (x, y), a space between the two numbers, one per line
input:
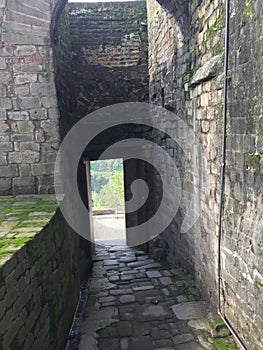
(101, 53)
(185, 74)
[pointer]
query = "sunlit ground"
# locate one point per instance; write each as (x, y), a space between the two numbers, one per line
(109, 228)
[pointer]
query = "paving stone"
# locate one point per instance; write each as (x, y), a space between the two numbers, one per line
(126, 277)
(127, 259)
(106, 299)
(150, 266)
(143, 257)
(126, 299)
(153, 274)
(120, 291)
(163, 344)
(142, 288)
(181, 299)
(136, 310)
(166, 281)
(140, 263)
(141, 343)
(152, 312)
(166, 273)
(166, 292)
(189, 346)
(111, 262)
(124, 329)
(114, 278)
(124, 344)
(191, 310)
(183, 338)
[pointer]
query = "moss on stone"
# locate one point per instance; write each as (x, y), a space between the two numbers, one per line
(219, 343)
(260, 127)
(216, 322)
(217, 49)
(31, 224)
(247, 12)
(254, 162)
(223, 344)
(219, 24)
(238, 208)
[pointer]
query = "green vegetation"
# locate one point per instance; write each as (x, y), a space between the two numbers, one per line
(260, 127)
(254, 162)
(216, 322)
(219, 343)
(16, 217)
(247, 12)
(218, 25)
(107, 184)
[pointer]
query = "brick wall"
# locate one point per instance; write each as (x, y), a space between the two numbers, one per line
(40, 288)
(186, 76)
(109, 54)
(28, 113)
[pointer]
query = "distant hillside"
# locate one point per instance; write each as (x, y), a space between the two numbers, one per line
(107, 183)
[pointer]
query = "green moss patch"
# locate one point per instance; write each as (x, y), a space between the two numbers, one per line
(254, 162)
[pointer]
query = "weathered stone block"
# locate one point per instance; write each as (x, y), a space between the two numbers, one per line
(27, 67)
(2, 63)
(19, 115)
(51, 129)
(22, 90)
(15, 104)
(24, 157)
(6, 51)
(24, 185)
(2, 3)
(24, 170)
(4, 138)
(22, 137)
(3, 90)
(49, 102)
(8, 171)
(23, 78)
(3, 158)
(6, 77)
(46, 88)
(29, 146)
(6, 103)
(23, 127)
(29, 102)
(25, 50)
(2, 114)
(5, 185)
(42, 169)
(40, 135)
(6, 146)
(205, 99)
(38, 114)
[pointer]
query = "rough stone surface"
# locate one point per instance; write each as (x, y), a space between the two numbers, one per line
(186, 41)
(36, 274)
(149, 321)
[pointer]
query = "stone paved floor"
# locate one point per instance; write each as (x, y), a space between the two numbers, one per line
(136, 303)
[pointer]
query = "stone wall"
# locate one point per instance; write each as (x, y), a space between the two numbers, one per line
(40, 288)
(242, 244)
(28, 114)
(186, 76)
(109, 54)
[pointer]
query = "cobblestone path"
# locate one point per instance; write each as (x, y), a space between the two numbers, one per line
(136, 303)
